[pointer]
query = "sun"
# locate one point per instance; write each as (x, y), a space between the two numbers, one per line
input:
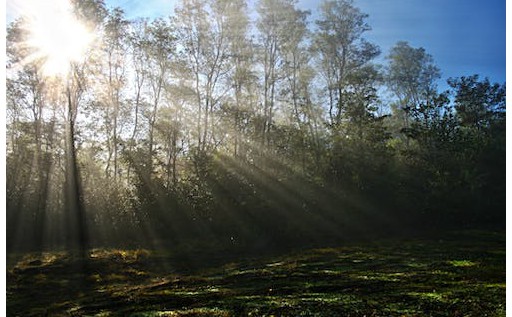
(56, 35)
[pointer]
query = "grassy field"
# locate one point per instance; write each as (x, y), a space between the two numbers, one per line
(460, 274)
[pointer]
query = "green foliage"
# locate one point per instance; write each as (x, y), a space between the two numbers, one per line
(478, 103)
(207, 130)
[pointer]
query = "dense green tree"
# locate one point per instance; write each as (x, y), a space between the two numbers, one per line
(480, 142)
(478, 103)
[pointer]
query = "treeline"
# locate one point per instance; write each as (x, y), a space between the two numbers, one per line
(220, 128)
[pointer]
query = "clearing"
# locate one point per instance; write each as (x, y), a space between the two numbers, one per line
(460, 274)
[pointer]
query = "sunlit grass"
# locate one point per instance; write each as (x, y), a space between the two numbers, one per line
(462, 263)
(429, 296)
(41, 259)
(496, 285)
(124, 255)
(214, 312)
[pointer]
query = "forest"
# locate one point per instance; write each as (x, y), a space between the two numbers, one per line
(229, 132)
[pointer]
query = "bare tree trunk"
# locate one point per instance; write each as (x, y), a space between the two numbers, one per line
(79, 239)
(139, 83)
(199, 109)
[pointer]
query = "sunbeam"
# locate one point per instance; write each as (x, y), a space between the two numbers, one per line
(247, 158)
(55, 36)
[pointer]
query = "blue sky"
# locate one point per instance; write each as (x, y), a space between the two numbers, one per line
(465, 37)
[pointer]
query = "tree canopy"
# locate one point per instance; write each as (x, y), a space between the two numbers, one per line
(214, 128)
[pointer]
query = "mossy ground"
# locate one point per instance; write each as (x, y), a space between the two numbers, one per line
(462, 274)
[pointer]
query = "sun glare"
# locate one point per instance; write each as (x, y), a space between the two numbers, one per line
(56, 35)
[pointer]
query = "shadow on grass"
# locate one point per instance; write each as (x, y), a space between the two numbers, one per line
(461, 275)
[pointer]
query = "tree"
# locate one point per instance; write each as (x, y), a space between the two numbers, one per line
(222, 122)
(138, 60)
(350, 82)
(202, 29)
(31, 125)
(114, 45)
(241, 74)
(161, 51)
(412, 76)
(342, 51)
(478, 103)
(480, 144)
(281, 28)
(296, 88)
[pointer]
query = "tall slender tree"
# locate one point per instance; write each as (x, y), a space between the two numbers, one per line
(412, 77)
(342, 51)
